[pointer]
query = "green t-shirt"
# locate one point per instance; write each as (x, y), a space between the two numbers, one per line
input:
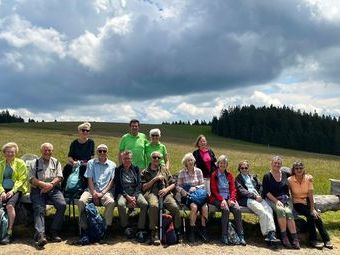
(149, 148)
(136, 144)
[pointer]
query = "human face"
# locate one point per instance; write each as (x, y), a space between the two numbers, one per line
(190, 163)
(244, 169)
(155, 159)
(46, 152)
(155, 138)
(84, 133)
(222, 165)
(102, 154)
(10, 153)
(299, 170)
(276, 165)
(127, 159)
(202, 143)
(134, 128)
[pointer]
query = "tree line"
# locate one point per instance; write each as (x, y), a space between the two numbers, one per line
(280, 126)
(6, 117)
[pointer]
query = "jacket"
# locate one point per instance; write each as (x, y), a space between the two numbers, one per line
(118, 181)
(215, 194)
(201, 165)
(242, 191)
(20, 175)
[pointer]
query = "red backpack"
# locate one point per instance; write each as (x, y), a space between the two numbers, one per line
(168, 230)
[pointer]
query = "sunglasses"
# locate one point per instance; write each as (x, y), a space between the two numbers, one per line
(155, 157)
(102, 151)
(243, 168)
(300, 168)
(85, 130)
(154, 135)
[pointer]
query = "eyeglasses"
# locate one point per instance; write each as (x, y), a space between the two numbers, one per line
(102, 151)
(243, 168)
(299, 168)
(155, 157)
(85, 130)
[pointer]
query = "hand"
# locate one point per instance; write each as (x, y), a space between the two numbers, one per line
(46, 187)
(9, 194)
(100, 194)
(224, 204)
(184, 193)
(192, 189)
(258, 199)
(163, 192)
(131, 200)
(279, 203)
(3, 196)
(231, 203)
(315, 214)
(96, 200)
(160, 177)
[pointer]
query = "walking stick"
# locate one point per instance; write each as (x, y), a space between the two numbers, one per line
(160, 218)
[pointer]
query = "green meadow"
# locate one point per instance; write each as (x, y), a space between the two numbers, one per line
(179, 140)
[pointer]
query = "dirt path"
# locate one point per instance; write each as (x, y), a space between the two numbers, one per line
(121, 246)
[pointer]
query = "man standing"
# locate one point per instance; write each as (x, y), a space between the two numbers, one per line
(135, 142)
(157, 183)
(100, 172)
(45, 178)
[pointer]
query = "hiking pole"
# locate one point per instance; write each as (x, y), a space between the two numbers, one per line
(160, 201)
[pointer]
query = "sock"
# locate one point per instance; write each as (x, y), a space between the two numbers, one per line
(294, 236)
(283, 235)
(9, 232)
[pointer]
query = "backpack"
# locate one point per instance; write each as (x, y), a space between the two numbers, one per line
(199, 197)
(73, 184)
(232, 235)
(3, 223)
(95, 223)
(169, 236)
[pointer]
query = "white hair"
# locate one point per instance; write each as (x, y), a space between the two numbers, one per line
(187, 157)
(10, 145)
(48, 145)
(222, 158)
(155, 131)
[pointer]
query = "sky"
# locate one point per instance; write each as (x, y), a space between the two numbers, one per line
(164, 61)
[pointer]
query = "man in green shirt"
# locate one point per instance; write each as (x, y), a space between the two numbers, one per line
(135, 142)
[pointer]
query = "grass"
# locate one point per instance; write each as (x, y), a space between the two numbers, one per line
(179, 140)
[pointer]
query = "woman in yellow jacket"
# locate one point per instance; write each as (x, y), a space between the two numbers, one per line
(13, 182)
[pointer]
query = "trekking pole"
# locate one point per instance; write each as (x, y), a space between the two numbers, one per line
(160, 201)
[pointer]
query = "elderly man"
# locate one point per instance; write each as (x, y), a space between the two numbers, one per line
(128, 192)
(135, 142)
(100, 172)
(45, 177)
(157, 184)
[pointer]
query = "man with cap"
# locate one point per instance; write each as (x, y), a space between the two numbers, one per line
(99, 173)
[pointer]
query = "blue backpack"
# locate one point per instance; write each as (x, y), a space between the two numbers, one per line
(3, 223)
(199, 197)
(95, 223)
(73, 183)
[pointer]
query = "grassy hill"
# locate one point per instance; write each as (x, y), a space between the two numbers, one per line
(179, 139)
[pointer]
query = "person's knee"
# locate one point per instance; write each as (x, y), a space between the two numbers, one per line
(9, 207)
(193, 207)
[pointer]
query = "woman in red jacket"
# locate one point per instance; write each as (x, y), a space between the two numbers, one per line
(223, 196)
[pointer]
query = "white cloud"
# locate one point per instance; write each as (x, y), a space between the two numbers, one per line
(326, 9)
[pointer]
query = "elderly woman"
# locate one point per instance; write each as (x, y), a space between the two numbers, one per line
(190, 179)
(81, 149)
(156, 145)
(249, 195)
(205, 159)
(301, 188)
(13, 182)
(276, 192)
(223, 196)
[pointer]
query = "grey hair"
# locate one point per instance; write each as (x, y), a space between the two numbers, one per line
(155, 131)
(222, 158)
(49, 145)
(156, 152)
(276, 158)
(127, 152)
(187, 157)
(10, 145)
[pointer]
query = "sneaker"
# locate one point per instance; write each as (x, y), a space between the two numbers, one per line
(83, 240)
(41, 240)
(224, 240)
(316, 245)
(6, 240)
(296, 244)
(204, 234)
(242, 241)
(54, 237)
(155, 238)
(272, 237)
(128, 232)
(140, 236)
(329, 245)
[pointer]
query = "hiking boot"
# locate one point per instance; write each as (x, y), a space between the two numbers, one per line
(140, 236)
(296, 244)
(179, 236)
(191, 237)
(6, 240)
(329, 245)
(41, 242)
(204, 234)
(224, 240)
(316, 245)
(105, 236)
(83, 240)
(54, 237)
(286, 243)
(155, 238)
(128, 232)
(242, 240)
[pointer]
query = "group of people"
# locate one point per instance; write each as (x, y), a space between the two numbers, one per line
(143, 179)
